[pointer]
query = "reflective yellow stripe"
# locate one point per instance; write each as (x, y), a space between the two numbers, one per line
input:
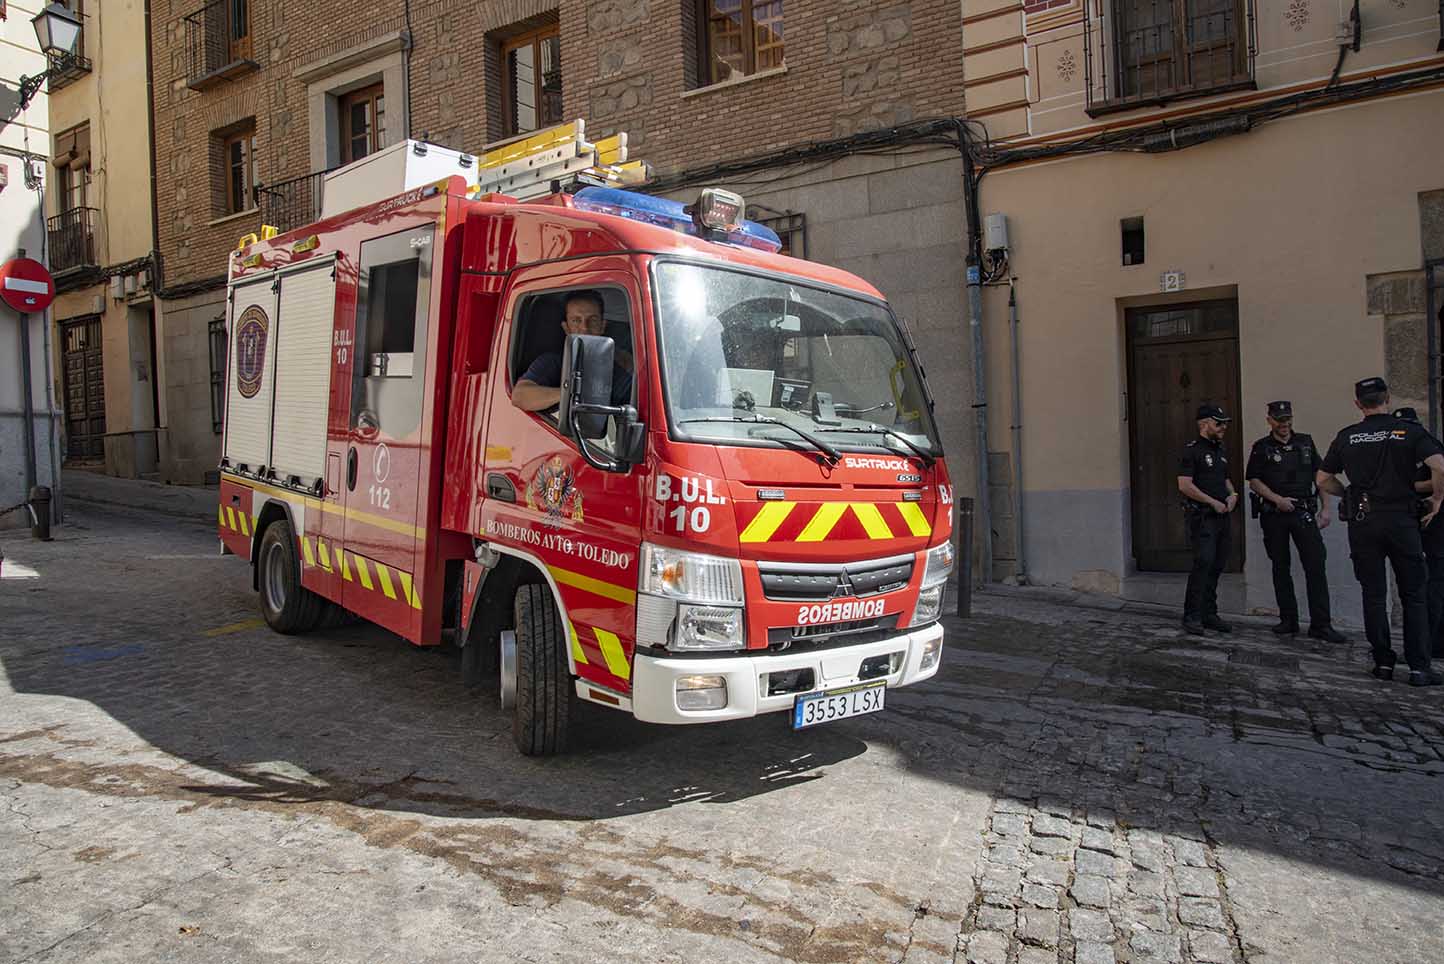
(871, 520)
(612, 652)
(912, 514)
(827, 515)
(381, 522)
(364, 571)
(595, 586)
(325, 556)
(386, 586)
(345, 567)
(578, 654)
(306, 551)
(221, 516)
(245, 523)
(411, 597)
(230, 517)
(766, 521)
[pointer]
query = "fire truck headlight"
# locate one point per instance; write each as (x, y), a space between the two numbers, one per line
(702, 693)
(940, 565)
(931, 651)
(929, 607)
(709, 628)
(691, 576)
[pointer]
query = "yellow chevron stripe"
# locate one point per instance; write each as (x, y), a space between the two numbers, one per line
(612, 652)
(767, 521)
(230, 517)
(306, 550)
(386, 586)
(597, 587)
(578, 654)
(245, 523)
(411, 596)
(822, 522)
(872, 520)
(221, 516)
(912, 514)
(325, 556)
(345, 567)
(364, 571)
(293, 498)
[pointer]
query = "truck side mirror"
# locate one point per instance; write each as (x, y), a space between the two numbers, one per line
(586, 385)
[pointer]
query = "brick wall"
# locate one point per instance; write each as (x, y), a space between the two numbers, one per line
(626, 65)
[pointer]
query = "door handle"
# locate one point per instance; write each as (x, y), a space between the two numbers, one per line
(351, 469)
(499, 487)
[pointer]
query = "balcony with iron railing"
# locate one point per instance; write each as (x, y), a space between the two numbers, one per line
(72, 240)
(65, 69)
(287, 205)
(1143, 53)
(217, 44)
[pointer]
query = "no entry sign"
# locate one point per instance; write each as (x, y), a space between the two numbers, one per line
(26, 285)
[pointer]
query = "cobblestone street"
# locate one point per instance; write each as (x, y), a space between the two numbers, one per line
(1077, 786)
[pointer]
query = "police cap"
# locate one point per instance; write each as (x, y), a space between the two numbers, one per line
(1209, 410)
(1370, 386)
(1406, 414)
(1281, 410)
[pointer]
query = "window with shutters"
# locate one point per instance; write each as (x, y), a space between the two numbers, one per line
(531, 68)
(363, 122)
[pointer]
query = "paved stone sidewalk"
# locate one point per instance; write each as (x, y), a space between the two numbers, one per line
(1075, 787)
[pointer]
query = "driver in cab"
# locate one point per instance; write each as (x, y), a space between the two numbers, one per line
(539, 387)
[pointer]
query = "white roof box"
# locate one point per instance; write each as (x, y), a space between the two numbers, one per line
(390, 172)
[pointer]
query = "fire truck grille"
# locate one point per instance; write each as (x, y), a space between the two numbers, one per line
(799, 583)
(794, 638)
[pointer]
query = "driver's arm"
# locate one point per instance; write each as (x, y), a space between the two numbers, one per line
(531, 397)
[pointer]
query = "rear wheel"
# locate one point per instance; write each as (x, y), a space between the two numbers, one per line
(543, 680)
(288, 607)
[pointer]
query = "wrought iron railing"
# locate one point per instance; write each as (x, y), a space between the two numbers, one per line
(65, 69)
(72, 239)
(1147, 52)
(290, 204)
(212, 43)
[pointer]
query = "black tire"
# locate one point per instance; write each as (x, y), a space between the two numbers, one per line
(288, 607)
(543, 683)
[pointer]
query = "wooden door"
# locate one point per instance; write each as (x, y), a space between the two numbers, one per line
(84, 389)
(1180, 356)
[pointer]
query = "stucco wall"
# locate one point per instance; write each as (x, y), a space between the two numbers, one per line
(1297, 215)
(189, 446)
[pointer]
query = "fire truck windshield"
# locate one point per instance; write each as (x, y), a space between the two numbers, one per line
(741, 351)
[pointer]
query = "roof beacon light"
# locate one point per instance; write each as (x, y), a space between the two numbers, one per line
(666, 213)
(718, 210)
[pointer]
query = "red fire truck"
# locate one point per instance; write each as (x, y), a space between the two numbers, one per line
(738, 504)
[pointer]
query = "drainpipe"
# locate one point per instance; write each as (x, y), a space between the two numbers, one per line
(1021, 569)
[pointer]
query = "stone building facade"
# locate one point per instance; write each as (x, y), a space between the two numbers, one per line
(1234, 203)
(649, 67)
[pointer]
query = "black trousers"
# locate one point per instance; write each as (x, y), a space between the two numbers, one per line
(1433, 540)
(1395, 537)
(1278, 529)
(1211, 538)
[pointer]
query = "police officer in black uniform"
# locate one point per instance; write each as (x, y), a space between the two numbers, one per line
(1379, 455)
(1433, 539)
(1280, 473)
(1208, 498)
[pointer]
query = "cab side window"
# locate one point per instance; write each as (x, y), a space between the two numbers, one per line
(539, 335)
(392, 298)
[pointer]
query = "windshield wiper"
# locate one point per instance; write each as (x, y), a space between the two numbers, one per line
(928, 457)
(816, 442)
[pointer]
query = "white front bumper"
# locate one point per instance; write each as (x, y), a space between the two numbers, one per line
(654, 679)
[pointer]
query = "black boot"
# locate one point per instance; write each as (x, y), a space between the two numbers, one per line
(1216, 624)
(1428, 677)
(1286, 627)
(1193, 627)
(1327, 633)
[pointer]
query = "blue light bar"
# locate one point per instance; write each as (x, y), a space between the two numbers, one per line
(666, 213)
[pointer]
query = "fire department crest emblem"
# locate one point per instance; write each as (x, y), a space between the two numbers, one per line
(251, 333)
(553, 491)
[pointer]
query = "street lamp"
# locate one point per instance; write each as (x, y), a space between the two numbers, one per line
(58, 30)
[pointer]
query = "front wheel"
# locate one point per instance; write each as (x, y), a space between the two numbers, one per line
(288, 606)
(543, 685)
